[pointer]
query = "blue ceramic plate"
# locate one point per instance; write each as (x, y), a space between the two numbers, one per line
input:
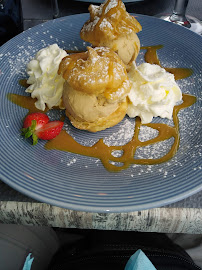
(82, 183)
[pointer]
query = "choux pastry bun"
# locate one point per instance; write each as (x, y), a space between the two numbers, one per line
(95, 88)
(110, 25)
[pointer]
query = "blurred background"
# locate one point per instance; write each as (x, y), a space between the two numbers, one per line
(19, 15)
(37, 11)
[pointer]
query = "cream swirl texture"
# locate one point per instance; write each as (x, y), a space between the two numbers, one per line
(154, 92)
(45, 83)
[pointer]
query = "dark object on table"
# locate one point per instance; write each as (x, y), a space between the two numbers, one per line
(146, 7)
(11, 19)
(111, 250)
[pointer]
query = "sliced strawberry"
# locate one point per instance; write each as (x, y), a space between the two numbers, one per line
(33, 122)
(40, 118)
(37, 125)
(49, 130)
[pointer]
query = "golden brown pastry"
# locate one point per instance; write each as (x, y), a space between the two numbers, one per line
(95, 88)
(110, 25)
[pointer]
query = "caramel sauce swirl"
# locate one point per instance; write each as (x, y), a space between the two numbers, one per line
(64, 142)
(152, 58)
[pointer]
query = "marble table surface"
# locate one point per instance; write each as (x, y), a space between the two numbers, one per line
(15, 208)
(184, 216)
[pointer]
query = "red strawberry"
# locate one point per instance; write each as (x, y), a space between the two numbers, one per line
(37, 125)
(41, 119)
(49, 130)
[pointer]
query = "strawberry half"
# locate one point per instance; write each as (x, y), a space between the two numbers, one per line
(40, 118)
(50, 130)
(33, 122)
(37, 125)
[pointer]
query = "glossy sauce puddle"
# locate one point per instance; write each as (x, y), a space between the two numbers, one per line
(100, 150)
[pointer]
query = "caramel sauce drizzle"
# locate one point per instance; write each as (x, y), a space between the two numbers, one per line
(110, 13)
(64, 142)
(152, 58)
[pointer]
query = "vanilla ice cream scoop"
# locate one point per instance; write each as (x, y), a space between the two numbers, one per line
(154, 92)
(45, 83)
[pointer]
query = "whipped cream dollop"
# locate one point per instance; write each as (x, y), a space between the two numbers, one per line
(45, 83)
(154, 92)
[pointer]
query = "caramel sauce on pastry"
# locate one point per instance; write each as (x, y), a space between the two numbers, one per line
(108, 21)
(110, 25)
(95, 90)
(96, 71)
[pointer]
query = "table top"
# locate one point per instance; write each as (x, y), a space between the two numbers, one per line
(184, 216)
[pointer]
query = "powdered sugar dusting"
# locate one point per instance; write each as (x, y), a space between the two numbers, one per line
(105, 24)
(154, 151)
(111, 4)
(91, 25)
(147, 133)
(123, 135)
(96, 12)
(71, 161)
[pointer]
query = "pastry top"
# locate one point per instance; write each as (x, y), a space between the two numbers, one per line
(98, 71)
(107, 22)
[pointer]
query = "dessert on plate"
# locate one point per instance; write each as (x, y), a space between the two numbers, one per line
(110, 25)
(99, 86)
(95, 89)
